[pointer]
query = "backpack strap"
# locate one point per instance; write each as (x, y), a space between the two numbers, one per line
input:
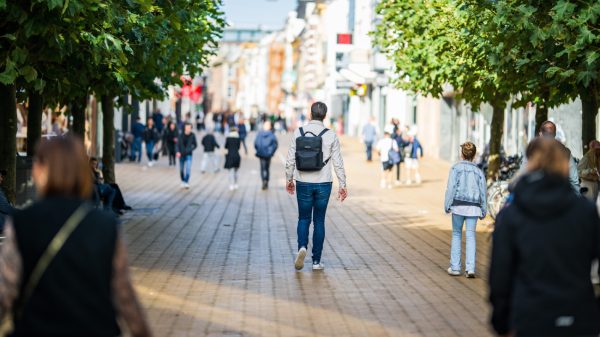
(302, 131)
(323, 132)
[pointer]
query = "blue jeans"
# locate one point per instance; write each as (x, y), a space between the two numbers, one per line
(136, 149)
(108, 194)
(457, 225)
(312, 204)
(185, 167)
(150, 150)
(369, 145)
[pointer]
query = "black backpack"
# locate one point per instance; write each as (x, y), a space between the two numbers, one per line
(309, 151)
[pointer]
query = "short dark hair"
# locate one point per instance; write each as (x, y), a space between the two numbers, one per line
(548, 129)
(318, 111)
(3, 173)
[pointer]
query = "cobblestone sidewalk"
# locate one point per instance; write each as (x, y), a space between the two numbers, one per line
(210, 262)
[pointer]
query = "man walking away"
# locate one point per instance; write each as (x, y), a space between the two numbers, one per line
(388, 153)
(369, 135)
(185, 147)
(209, 142)
(171, 136)
(265, 145)
(312, 151)
(137, 129)
(151, 136)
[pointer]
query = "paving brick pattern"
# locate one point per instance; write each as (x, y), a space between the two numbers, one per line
(210, 262)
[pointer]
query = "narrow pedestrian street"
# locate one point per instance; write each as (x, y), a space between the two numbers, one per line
(210, 262)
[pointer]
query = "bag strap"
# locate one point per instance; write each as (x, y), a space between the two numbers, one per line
(53, 248)
(323, 132)
(302, 131)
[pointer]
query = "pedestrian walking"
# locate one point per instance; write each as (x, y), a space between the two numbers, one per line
(388, 153)
(158, 119)
(412, 151)
(243, 132)
(150, 137)
(402, 143)
(64, 269)
(466, 200)
(210, 157)
(233, 158)
(369, 136)
(137, 130)
(186, 144)
(265, 145)
(170, 139)
(589, 170)
(543, 246)
(313, 150)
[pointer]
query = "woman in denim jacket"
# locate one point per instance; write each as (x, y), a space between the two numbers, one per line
(466, 200)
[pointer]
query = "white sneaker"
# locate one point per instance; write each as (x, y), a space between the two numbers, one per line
(187, 186)
(383, 184)
(182, 185)
(235, 187)
(231, 187)
(299, 262)
(150, 163)
(397, 183)
(318, 266)
(408, 182)
(453, 272)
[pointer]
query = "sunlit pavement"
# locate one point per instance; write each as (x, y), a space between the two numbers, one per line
(210, 262)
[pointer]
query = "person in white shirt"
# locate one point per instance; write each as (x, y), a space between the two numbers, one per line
(314, 187)
(384, 146)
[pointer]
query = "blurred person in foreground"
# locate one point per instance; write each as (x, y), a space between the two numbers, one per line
(543, 247)
(63, 264)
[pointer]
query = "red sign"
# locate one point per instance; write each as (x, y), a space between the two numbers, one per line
(344, 38)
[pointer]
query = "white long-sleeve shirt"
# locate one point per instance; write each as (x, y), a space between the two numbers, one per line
(331, 149)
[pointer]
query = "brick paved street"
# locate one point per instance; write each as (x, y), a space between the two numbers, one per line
(210, 262)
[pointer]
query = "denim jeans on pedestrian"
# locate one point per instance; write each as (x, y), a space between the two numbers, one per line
(150, 150)
(107, 193)
(369, 146)
(455, 250)
(136, 149)
(185, 167)
(312, 205)
(265, 164)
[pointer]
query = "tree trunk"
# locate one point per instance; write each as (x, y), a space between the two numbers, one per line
(497, 129)
(8, 139)
(108, 146)
(34, 121)
(589, 106)
(541, 111)
(78, 112)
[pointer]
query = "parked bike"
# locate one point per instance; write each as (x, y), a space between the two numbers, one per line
(497, 193)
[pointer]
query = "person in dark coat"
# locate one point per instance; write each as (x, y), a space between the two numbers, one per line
(265, 145)
(232, 158)
(243, 132)
(209, 142)
(85, 288)
(543, 247)
(151, 136)
(185, 148)
(170, 138)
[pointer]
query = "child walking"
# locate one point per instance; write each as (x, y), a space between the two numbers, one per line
(232, 158)
(466, 200)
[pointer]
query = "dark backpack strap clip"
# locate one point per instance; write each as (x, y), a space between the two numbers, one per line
(302, 131)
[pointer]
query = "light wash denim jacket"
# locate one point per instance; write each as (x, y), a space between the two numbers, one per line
(467, 186)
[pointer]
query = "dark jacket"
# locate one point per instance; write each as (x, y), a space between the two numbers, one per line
(232, 158)
(170, 138)
(186, 144)
(544, 243)
(151, 135)
(137, 129)
(265, 144)
(242, 131)
(74, 295)
(209, 142)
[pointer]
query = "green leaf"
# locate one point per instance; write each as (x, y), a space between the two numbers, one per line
(28, 73)
(9, 75)
(591, 57)
(11, 37)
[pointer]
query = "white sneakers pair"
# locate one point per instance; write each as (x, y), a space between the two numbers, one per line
(233, 187)
(468, 274)
(185, 185)
(299, 262)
